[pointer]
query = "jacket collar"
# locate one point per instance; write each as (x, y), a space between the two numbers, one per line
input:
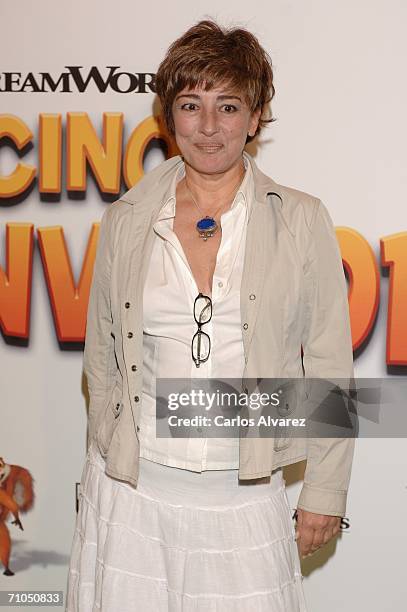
(153, 186)
(264, 185)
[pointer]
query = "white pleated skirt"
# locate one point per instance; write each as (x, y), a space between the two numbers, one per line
(182, 541)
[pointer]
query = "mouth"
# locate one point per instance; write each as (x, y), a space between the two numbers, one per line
(209, 148)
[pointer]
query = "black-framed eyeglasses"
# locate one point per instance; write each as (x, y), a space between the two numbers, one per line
(201, 342)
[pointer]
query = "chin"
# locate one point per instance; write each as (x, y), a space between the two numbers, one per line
(207, 163)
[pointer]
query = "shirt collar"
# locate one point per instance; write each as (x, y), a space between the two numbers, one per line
(244, 194)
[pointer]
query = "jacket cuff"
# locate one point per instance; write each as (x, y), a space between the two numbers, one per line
(322, 501)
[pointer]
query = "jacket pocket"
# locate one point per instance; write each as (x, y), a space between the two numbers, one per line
(291, 398)
(110, 419)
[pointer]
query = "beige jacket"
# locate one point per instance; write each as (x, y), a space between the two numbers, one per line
(293, 293)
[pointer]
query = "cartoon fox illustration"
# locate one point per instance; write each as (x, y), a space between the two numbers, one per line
(16, 495)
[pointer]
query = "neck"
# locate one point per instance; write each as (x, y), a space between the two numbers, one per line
(211, 190)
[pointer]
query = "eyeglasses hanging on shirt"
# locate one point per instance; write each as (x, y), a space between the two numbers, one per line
(201, 342)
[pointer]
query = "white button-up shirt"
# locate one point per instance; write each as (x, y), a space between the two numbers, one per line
(168, 327)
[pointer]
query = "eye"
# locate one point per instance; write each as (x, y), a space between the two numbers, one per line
(229, 108)
(189, 106)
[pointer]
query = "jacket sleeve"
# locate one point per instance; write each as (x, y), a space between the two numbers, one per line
(98, 358)
(327, 353)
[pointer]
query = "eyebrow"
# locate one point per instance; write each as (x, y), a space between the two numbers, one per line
(220, 97)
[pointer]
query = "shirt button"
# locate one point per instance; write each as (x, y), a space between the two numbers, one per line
(127, 305)
(245, 326)
(136, 398)
(134, 368)
(220, 284)
(130, 335)
(252, 296)
(138, 428)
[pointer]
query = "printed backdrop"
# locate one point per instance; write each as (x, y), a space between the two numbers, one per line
(78, 118)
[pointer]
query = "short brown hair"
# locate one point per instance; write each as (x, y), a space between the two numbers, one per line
(208, 55)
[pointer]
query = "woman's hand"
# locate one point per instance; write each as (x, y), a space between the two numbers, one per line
(314, 530)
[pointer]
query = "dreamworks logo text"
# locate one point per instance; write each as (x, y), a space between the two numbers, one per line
(78, 79)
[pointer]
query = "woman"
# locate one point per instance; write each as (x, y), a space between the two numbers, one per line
(207, 268)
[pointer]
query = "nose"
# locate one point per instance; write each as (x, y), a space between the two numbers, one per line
(209, 122)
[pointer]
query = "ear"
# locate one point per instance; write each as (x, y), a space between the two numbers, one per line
(254, 121)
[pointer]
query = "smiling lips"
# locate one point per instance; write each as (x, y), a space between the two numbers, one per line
(209, 148)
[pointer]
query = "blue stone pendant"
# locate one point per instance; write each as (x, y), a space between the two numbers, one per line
(206, 227)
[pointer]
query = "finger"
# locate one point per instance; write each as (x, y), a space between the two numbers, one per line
(328, 535)
(305, 540)
(298, 523)
(318, 539)
(321, 538)
(336, 528)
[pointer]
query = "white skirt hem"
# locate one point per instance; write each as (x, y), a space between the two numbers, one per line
(182, 541)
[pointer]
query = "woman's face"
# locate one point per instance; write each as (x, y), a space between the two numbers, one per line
(211, 127)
